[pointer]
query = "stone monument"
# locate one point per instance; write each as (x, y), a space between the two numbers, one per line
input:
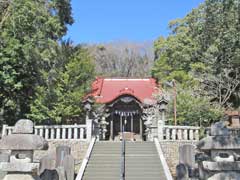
(59, 167)
(221, 152)
(217, 157)
(22, 142)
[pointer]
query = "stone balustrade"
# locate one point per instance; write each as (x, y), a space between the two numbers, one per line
(85, 132)
(180, 133)
(57, 132)
(234, 131)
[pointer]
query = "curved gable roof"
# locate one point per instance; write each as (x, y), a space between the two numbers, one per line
(105, 90)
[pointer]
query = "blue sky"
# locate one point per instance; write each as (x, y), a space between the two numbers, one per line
(98, 21)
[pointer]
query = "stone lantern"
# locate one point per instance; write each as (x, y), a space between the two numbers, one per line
(163, 104)
(103, 125)
(162, 107)
(22, 142)
(88, 107)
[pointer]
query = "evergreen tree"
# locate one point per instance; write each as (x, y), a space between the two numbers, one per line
(35, 69)
(202, 52)
(59, 96)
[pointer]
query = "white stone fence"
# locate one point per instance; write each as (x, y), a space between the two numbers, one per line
(180, 133)
(59, 132)
(85, 132)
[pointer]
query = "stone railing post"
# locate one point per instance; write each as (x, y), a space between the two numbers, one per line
(41, 132)
(160, 130)
(89, 129)
(191, 134)
(167, 134)
(46, 133)
(185, 134)
(63, 133)
(173, 134)
(81, 133)
(179, 134)
(4, 130)
(75, 132)
(58, 133)
(70, 133)
(35, 131)
(9, 131)
(52, 133)
(197, 134)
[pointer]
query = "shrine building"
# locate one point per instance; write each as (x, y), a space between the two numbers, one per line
(123, 101)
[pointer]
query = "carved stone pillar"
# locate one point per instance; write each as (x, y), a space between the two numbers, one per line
(162, 107)
(160, 130)
(89, 129)
(103, 125)
(148, 124)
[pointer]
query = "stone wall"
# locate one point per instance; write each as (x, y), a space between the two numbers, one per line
(171, 152)
(78, 150)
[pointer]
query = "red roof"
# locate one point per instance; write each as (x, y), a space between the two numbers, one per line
(105, 90)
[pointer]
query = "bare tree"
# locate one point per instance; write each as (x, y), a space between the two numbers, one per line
(123, 59)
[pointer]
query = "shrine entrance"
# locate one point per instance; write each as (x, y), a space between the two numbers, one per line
(125, 110)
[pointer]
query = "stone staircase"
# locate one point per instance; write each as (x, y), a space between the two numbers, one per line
(104, 163)
(142, 162)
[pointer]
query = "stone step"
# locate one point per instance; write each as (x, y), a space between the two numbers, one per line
(127, 149)
(127, 178)
(129, 165)
(113, 161)
(133, 174)
(141, 162)
(140, 170)
(129, 156)
(116, 177)
(102, 152)
(127, 145)
(126, 157)
(120, 144)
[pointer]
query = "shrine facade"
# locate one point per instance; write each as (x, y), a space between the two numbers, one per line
(122, 102)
